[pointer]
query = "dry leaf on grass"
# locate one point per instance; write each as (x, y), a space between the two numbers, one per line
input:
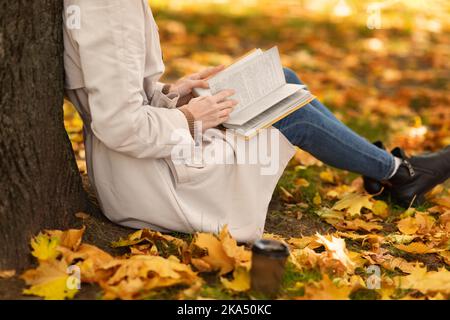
(337, 249)
(381, 209)
(146, 241)
(134, 277)
(418, 248)
(70, 239)
(358, 224)
(50, 280)
(326, 289)
(408, 226)
(220, 253)
(240, 281)
(426, 281)
(91, 260)
(330, 216)
(388, 261)
(353, 204)
(44, 247)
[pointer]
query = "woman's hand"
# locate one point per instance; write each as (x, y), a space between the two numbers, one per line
(213, 110)
(185, 85)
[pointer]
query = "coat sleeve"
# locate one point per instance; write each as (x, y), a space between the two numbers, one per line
(111, 44)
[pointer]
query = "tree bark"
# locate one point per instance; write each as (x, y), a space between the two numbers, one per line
(40, 186)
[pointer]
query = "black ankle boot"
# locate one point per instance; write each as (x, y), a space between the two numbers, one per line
(373, 186)
(418, 175)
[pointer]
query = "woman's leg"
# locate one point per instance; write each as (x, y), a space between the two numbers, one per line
(292, 77)
(315, 129)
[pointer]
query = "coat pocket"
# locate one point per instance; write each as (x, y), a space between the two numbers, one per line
(179, 171)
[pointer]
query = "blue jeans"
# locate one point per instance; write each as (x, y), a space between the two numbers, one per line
(316, 130)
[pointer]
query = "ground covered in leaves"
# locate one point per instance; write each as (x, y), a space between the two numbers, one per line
(390, 84)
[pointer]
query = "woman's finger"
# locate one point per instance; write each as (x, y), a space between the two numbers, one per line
(222, 95)
(198, 84)
(225, 113)
(209, 72)
(227, 104)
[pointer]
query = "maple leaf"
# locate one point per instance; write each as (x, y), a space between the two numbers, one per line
(340, 191)
(304, 242)
(425, 281)
(425, 222)
(408, 226)
(49, 280)
(91, 260)
(222, 253)
(336, 247)
(353, 203)
(166, 243)
(240, 282)
(70, 239)
(388, 261)
(358, 224)
(417, 247)
(45, 247)
(215, 258)
(330, 216)
(138, 275)
(381, 209)
(326, 289)
(241, 256)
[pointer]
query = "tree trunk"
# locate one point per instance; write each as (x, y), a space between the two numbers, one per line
(40, 186)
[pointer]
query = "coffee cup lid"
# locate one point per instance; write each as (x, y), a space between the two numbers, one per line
(271, 248)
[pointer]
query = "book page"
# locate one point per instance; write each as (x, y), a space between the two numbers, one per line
(244, 115)
(276, 113)
(252, 80)
(199, 92)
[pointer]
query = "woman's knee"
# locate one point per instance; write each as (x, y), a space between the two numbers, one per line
(291, 76)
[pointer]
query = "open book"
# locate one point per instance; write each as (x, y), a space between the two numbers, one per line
(262, 92)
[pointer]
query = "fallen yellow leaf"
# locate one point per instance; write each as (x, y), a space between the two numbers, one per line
(327, 176)
(358, 224)
(70, 239)
(138, 275)
(380, 208)
(222, 253)
(44, 247)
(326, 289)
(417, 247)
(50, 280)
(426, 281)
(353, 203)
(240, 282)
(317, 200)
(408, 226)
(336, 247)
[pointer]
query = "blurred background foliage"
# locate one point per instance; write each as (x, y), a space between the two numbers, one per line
(383, 67)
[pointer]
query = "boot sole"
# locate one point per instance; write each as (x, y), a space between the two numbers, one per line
(421, 199)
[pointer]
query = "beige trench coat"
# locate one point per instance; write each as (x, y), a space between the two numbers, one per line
(113, 63)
